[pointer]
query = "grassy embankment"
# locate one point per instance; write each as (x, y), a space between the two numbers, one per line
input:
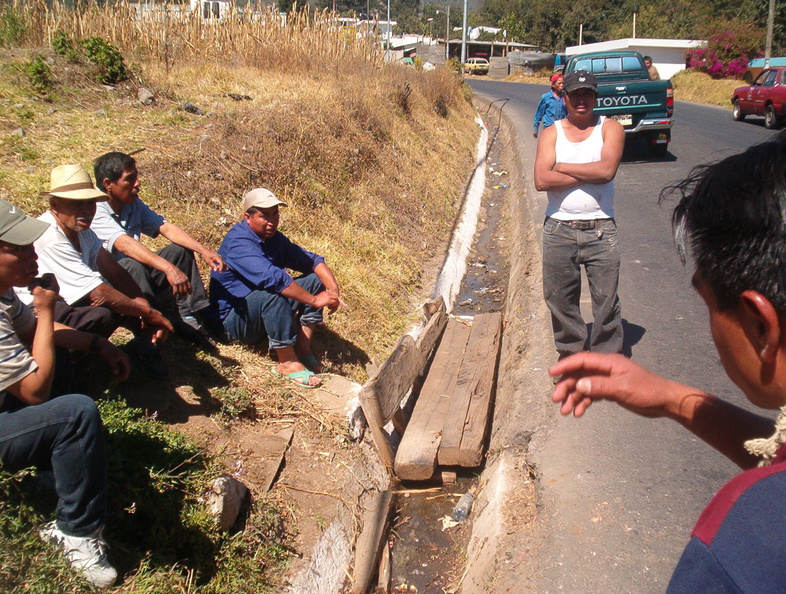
(371, 160)
(689, 85)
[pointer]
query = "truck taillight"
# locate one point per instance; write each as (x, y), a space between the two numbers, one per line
(670, 101)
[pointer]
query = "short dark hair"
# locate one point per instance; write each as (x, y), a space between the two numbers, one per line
(647, 58)
(733, 215)
(111, 166)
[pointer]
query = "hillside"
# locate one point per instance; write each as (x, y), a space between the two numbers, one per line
(372, 161)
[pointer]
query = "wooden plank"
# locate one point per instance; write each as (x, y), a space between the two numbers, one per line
(370, 542)
(417, 453)
(467, 418)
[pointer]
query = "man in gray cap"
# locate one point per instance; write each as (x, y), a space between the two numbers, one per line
(61, 434)
(256, 297)
(97, 293)
(576, 162)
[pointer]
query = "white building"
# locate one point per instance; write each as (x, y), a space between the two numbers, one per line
(668, 55)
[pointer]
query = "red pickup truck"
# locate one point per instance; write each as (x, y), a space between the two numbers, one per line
(766, 96)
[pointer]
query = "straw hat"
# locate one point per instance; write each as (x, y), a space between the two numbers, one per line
(74, 183)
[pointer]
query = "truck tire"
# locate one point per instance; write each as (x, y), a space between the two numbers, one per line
(658, 150)
(771, 121)
(736, 112)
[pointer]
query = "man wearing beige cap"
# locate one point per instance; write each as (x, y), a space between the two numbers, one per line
(97, 293)
(41, 424)
(256, 297)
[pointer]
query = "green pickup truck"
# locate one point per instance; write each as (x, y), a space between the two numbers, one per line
(644, 107)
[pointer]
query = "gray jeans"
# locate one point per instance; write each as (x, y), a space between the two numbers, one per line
(565, 251)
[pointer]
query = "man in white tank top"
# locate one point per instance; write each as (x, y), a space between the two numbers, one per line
(576, 162)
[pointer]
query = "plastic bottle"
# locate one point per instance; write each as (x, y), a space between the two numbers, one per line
(463, 507)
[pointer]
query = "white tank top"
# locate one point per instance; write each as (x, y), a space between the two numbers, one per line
(587, 201)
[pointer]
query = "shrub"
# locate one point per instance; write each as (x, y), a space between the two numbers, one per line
(39, 74)
(62, 43)
(107, 58)
(726, 54)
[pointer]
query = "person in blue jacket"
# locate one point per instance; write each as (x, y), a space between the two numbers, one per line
(256, 298)
(732, 214)
(551, 107)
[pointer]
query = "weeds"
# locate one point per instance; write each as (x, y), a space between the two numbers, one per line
(39, 75)
(12, 27)
(234, 403)
(111, 68)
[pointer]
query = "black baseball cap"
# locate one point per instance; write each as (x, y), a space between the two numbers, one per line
(580, 79)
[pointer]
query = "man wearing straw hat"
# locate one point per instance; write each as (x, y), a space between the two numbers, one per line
(97, 293)
(120, 223)
(256, 297)
(41, 425)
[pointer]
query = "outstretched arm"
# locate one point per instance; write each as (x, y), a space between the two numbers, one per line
(182, 238)
(588, 377)
(139, 252)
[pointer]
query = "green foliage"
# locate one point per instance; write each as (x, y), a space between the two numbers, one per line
(111, 68)
(12, 28)
(39, 75)
(62, 43)
(234, 403)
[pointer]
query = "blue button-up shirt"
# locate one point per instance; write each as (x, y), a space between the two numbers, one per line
(550, 109)
(255, 264)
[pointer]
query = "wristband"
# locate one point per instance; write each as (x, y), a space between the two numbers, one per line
(93, 348)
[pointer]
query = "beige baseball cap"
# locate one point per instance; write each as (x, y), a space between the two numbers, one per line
(261, 198)
(16, 227)
(74, 183)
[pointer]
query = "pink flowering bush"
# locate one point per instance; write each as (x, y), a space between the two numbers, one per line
(726, 55)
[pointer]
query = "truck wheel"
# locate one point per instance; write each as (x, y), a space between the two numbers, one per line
(771, 121)
(658, 150)
(736, 112)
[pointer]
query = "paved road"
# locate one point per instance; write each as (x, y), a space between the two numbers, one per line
(620, 494)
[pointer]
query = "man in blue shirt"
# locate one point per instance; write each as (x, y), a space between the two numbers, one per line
(551, 107)
(120, 223)
(255, 297)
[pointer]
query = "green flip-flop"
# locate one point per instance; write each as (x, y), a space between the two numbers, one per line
(299, 378)
(311, 362)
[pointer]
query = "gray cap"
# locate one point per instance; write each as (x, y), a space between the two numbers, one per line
(16, 227)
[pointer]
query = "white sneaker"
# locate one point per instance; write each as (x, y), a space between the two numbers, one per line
(86, 554)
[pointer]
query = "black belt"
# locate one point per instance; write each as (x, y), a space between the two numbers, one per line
(580, 224)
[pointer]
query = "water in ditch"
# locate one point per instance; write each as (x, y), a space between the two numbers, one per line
(427, 556)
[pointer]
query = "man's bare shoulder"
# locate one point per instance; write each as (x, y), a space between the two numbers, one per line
(612, 125)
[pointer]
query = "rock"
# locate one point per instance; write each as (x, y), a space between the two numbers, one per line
(100, 113)
(238, 97)
(225, 499)
(18, 133)
(19, 106)
(30, 169)
(50, 60)
(191, 108)
(145, 96)
(52, 110)
(109, 87)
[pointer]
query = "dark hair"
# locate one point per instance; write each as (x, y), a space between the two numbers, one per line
(733, 215)
(647, 58)
(111, 166)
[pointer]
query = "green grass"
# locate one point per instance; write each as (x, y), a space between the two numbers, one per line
(161, 536)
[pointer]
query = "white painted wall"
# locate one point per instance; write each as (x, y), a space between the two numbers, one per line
(668, 55)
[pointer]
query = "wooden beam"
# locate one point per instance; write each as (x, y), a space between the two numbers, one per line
(417, 453)
(370, 542)
(468, 414)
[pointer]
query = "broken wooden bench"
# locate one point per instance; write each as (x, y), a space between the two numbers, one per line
(450, 420)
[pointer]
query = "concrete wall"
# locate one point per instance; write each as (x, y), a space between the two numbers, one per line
(668, 55)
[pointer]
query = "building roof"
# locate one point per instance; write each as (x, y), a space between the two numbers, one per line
(633, 43)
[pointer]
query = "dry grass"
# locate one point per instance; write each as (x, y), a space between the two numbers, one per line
(372, 160)
(691, 85)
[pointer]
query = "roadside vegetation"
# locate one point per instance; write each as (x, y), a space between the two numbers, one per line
(372, 161)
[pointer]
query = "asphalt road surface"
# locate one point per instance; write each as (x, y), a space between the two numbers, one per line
(619, 494)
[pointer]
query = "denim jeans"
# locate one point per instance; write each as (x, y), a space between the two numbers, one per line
(154, 283)
(64, 435)
(565, 251)
(264, 313)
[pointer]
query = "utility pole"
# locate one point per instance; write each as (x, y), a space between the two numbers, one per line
(390, 30)
(447, 37)
(635, 10)
(464, 35)
(770, 21)
(581, 33)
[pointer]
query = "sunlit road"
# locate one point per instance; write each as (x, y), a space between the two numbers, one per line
(620, 494)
